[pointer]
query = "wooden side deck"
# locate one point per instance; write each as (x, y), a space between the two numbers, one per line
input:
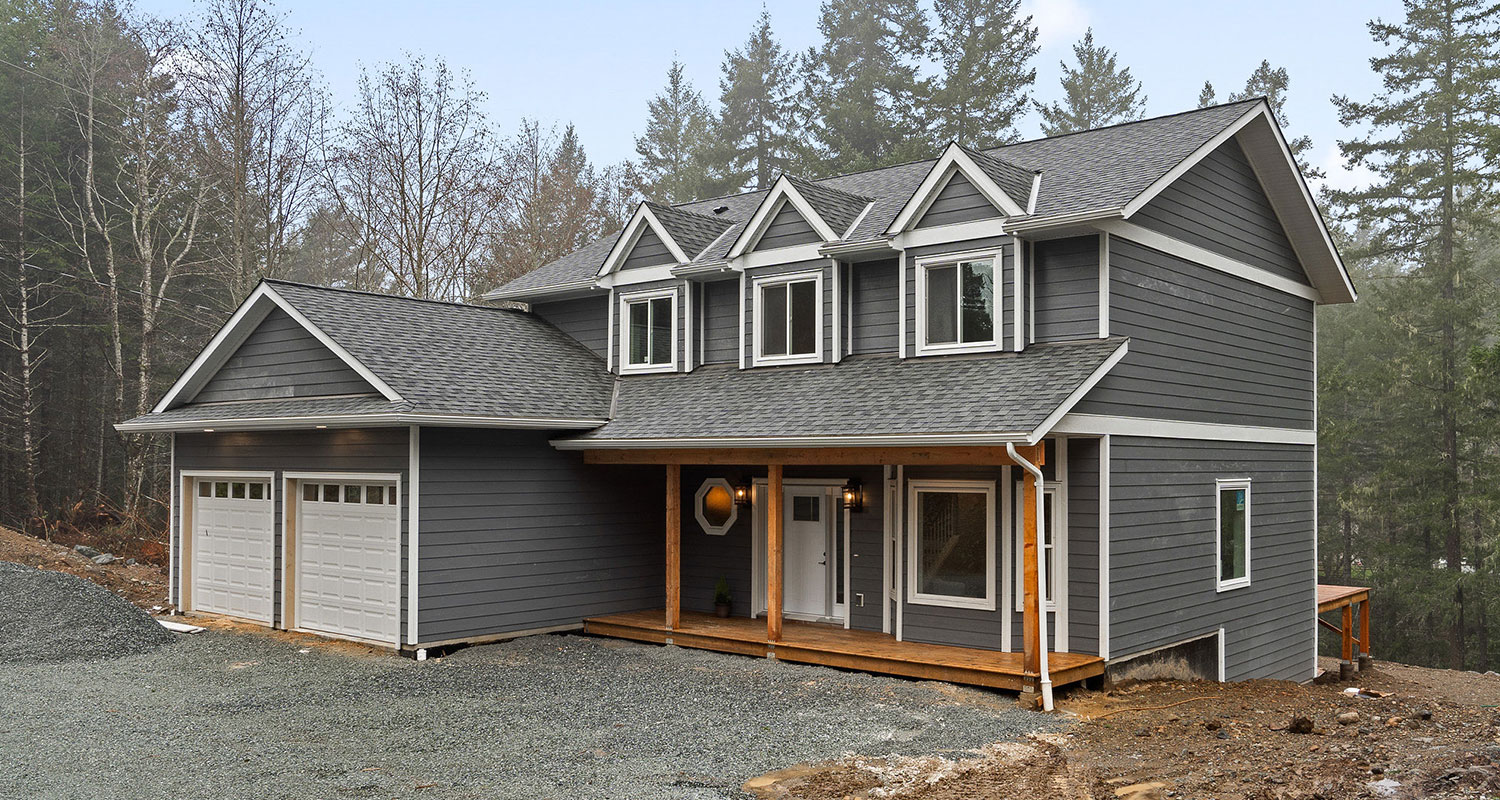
(1346, 599)
(833, 646)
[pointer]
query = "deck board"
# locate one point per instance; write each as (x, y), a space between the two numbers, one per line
(830, 645)
(1331, 596)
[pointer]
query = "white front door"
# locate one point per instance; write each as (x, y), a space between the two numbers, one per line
(806, 552)
(348, 578)
(233, 549)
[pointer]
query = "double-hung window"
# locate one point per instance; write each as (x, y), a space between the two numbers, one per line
(648, 332)
(1233, 532)
(951, 543)
(789, 319)
(957, 305)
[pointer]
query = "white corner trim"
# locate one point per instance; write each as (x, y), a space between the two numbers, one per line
(743, 321)
(901, 307)
(837, 292)
(1102, 424)
(1104, 485)
(609, 334)
(782, 191)
(1160, 184)
(1008, 558)
(413, 525)
(1104, 284)
(1051, 423)
(1221, 654)
(1208, 258)
(689, 341)
(1018, 337)
(174, 517)
(632, 234)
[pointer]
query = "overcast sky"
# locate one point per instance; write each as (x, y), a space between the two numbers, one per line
(597, 64)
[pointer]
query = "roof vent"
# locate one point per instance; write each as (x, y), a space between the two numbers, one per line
(721, 209)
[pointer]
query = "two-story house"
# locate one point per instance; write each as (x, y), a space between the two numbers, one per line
(1010, 418)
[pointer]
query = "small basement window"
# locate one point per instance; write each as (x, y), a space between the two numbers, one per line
(957, 302)
(951, 544)
(789, 319)
(714, 507)
(648, 332)
(1233, 528)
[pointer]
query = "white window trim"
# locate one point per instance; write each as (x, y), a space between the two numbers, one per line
(759, 285)
(997, 313)
(734, 508)
(626, 368)
(915, 487)
(1220, 486)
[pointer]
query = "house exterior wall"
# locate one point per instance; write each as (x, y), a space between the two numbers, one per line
(1066, 274)
(822, 266)
(721, 313)
(1006, 276)
(586, 319)
(649, 251)
(875, 304)
(281, 359)
(959, 201)
(516, 535)
(787, 228)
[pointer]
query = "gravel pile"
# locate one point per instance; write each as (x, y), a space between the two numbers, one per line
(48, 617)
(253, 716)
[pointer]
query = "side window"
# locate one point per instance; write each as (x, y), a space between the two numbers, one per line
(648, 332)
(1233, 532)
(957, 304)
(789, 319)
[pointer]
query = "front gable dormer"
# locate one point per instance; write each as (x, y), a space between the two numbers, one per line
(967, 186)
(797, 212)
(645, 242)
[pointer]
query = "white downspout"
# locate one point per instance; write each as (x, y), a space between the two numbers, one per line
(1041, 572)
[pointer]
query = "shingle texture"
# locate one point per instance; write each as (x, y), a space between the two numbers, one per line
(692, 232)
(862, 396)
(1095, 170)
(209, 413)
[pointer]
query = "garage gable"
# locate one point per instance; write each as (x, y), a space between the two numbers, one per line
(281, 359)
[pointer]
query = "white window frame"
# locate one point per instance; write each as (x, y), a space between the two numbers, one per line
(996, 260)
(760, 285)
(734, 508)
(625, 301)
(1221, 485)
(913, 489)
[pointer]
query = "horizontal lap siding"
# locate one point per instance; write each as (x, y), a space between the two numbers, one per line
(1067, 289)
(1083, 545)
(961, 627)
(586, 319)
(721, 312)
(1005, 274)
(1162, 551)
(517, 535)
(381, 450)
(649, 251)
(1219, 205)
(876, 308)
(707, 558)
(959, 201)
(280, 359)
(1204, 346)
(787, 228)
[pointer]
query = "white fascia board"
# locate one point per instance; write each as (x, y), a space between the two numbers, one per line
(557, 291)
(1072, 219)
(703, 270)
(1102, 424)
(1160, 184)
(632, 234)
(1208, 258)
(872, 440)
(953, 158)
(782, 190)
(361, 421)
(1078, 394)
(239, 327)
(630, 277)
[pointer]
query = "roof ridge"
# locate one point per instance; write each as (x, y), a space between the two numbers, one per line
(384, 295)
(821, 187)
(998, 160)
(1125, 123)
(676, 210)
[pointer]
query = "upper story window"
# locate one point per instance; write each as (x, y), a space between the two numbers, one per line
(957, 305)
(789, 319)
(648, 332)
(1233, 532)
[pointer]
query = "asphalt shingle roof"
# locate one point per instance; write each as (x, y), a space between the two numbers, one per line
(863, 395)
(692, 232)
(1093, 170)
(1015, 181)
(207, 414)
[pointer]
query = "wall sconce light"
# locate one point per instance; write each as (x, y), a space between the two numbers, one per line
(742, 493)
(853, 495)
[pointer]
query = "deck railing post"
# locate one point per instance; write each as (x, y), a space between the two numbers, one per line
(674, 546)
(774, 524)
(1365, 660)
(1346, 641)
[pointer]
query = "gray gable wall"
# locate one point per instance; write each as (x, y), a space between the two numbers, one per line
(586, 319)
(649, 251)
(1219, 205)
(959, 201)
(281, 359)
(787, 228)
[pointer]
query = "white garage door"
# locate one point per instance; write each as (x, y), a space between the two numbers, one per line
(233, 549)
(349, 560)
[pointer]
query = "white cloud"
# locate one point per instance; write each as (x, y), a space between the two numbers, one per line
(1059, 22)
(1339, 175)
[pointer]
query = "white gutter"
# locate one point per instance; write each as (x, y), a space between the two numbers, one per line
(1041, 575)
(1060, 220)
(358, 420)
(876, 440)
(571, 287)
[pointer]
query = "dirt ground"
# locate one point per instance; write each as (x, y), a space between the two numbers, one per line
(143, 584)
(1433, 733)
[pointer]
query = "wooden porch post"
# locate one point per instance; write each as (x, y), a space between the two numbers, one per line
(674, 546)
(1346, 636)
(1364, 634)
(774, 524)
(1031, 659)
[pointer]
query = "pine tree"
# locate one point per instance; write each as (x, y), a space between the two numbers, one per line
(753, 142)
(1206, 96)
(1432, 136)
(1271, 83)
(673, 150)
(862, 98)
(1096, 92)
(985, 48)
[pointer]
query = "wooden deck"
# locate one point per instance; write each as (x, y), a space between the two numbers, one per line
(833, 646)
(1331, 597)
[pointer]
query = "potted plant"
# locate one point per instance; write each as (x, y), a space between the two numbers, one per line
(722, 599)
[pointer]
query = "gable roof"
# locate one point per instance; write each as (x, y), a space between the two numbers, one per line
(838, 208)
(459, 363)
(1017, 182)
(692, 231)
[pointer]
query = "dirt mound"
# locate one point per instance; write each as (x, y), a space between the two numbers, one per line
(51, 616)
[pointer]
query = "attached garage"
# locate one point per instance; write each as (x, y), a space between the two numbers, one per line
(347, 563)
(233, 546)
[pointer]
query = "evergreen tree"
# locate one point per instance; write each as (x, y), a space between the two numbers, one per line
(1097, 92)
(862, 97)
(1206, 96)
(753, 142)
(1272, 84)
(985, 48)
(673, 150)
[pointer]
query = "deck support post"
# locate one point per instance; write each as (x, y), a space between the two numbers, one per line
(1031, 662)
(1346, 640)
(674, 546)
(774, 524)
(1365, 661)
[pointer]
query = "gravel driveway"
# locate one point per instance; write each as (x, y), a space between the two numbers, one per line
(224, 714)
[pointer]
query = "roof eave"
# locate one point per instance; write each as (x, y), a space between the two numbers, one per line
(874, 440)
(377, 420)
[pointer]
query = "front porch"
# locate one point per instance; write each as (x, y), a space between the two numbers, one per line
(834, 646)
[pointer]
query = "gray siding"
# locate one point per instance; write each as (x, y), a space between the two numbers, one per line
(517, 535)
(787, 228)
(585, 319)
(1219, 205)
(959, 201)
(1204, 346)
(961, 627)
(649, 251)
(706, 558)
(1006, 275)
(721, 312)
(383, 450)
(281, 359)
(820, 265)
(1083, 545)
(1162, 570)
(875, 307)
(1067, 289)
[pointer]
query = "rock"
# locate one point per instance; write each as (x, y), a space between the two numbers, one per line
(1424, 714)
(129, 562)
(1222, 734)
(1347, 718)
(1393, 722)
(1385, 787)
(104, 558)
(1300, 725)
(85, 550)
